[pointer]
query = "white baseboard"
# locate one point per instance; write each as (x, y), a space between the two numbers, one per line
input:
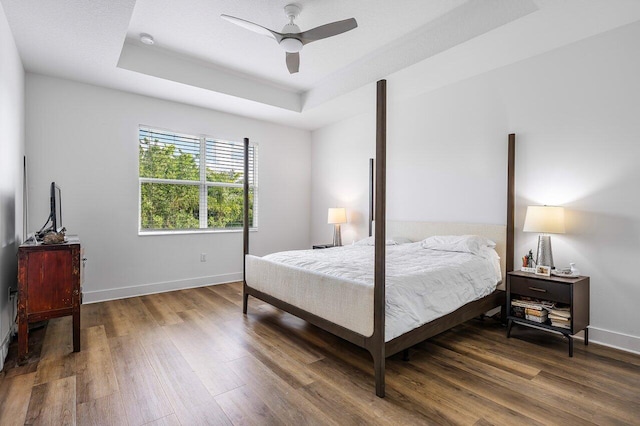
(161, 287)
(624, 342)
(4, 349)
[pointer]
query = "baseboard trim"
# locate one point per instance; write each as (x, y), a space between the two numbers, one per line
(161, 287)
(4, 349)
(624, 342)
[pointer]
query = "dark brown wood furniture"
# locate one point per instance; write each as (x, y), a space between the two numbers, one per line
(49, 286)
(573, 292)
(321, 246)
(376, 344)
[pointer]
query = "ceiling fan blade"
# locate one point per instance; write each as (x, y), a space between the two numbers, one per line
(328, 30)
(253, 27)
(293, 62)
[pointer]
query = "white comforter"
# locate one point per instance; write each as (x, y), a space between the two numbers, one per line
(421, 284)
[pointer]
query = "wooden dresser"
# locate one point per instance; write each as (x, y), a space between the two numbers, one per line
(49, 286)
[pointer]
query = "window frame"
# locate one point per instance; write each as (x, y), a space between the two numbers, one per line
(202, 183)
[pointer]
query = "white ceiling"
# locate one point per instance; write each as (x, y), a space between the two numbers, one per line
(203, 60)
(194, 28)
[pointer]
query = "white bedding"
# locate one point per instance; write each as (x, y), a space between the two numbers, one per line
(337, 283)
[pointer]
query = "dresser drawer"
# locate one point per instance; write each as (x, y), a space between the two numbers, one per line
(540, 289)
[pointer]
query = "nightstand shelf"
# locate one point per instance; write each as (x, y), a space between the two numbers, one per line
(570, 292)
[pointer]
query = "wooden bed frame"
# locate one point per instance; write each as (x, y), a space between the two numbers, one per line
(375, 343)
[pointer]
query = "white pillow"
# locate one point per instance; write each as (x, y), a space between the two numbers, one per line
(401, 240)
(459, 243)
(370, 241)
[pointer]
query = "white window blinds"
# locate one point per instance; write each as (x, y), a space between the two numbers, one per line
(178, 191)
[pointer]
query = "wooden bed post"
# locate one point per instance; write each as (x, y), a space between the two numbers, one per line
(245, 226)
(511, 201)
(378, 349)
(371, 186)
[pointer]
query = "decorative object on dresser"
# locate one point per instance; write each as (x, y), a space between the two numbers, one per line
(565, 302)
(336, 216)
(53, 238)
(543, 270)
(528, 265)
(49, 286)
(545, 220)
(570, 272)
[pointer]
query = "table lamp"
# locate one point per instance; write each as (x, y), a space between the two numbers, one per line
(545, 220)
(336, 216)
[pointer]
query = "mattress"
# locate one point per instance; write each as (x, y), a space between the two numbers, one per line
(337, 283)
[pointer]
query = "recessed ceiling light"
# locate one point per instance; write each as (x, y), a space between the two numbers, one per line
(146, 39)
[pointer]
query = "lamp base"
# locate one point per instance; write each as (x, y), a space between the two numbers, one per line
(545, 254)
(337, 239)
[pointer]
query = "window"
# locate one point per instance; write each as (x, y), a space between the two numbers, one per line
(179, 191)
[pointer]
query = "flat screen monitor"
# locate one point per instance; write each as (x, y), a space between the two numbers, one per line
(56, 207)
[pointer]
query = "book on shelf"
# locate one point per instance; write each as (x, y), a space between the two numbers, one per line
(536, 312)
(518, 311)
(561, 325)
(535, 318)
(538, 305)
(563, 312)
(560, 321)
(536, 315)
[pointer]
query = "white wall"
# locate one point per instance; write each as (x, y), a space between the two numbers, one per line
(85, 138)
(340, 176)
(11, 160)
(575, 112)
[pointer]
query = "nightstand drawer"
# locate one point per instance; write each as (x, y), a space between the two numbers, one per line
(540, 289)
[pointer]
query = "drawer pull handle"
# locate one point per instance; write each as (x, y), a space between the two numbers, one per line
(541, 290)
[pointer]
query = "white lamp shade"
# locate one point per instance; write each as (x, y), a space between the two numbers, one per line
(544, 219)
(337, 215)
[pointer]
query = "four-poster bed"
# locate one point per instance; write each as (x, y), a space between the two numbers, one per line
(373, 339)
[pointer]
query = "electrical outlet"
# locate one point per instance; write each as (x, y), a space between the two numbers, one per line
(203, 257)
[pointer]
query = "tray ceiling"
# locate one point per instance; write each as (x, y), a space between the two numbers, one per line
(200, 59)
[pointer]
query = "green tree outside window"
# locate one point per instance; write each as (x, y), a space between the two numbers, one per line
(174, 190)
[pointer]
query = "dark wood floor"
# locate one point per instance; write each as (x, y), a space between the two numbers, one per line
(191, 357)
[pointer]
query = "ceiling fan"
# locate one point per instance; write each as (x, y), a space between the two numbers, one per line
(291, 39)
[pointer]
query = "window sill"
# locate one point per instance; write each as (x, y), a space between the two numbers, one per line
(193, 232)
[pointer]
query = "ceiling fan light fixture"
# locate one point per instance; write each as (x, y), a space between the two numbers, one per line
(291, 39)
(291, 45)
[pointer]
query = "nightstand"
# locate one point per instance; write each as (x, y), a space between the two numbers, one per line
(570, 292)
(322, 246)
